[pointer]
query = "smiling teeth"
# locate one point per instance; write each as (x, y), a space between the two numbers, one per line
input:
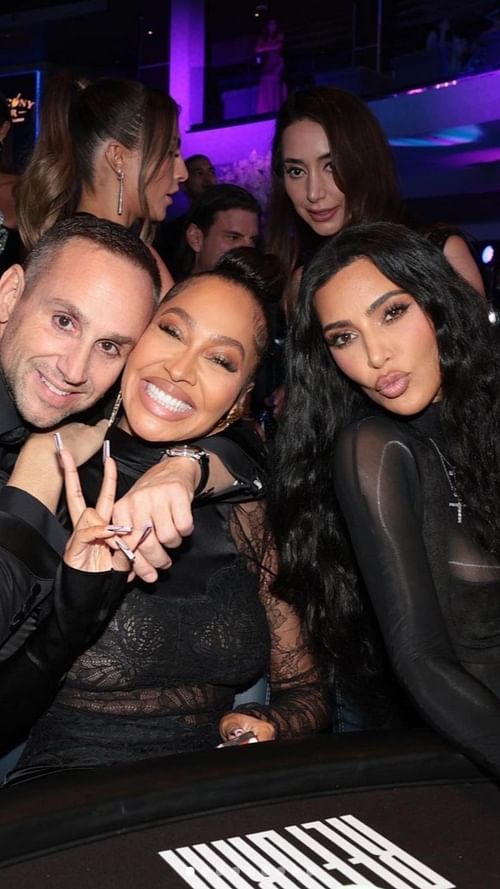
(161, 397)
(53, 388)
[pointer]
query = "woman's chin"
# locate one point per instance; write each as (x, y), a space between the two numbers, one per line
(151, 428)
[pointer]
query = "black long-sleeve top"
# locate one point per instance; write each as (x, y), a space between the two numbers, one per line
(32, 540)
(435, 591)
(160, 676)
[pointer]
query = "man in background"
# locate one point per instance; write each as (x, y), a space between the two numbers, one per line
(169, 232)
(221, 218)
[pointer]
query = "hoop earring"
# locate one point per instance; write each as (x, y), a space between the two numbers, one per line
(116, 407)
(234, 413)
(121, 179)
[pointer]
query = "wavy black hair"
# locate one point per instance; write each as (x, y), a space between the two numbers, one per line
(317, 568)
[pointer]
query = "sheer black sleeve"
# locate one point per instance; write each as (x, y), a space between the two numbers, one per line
(299, 702)
(379, 488)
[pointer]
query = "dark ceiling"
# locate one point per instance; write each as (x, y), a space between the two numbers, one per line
(114, 35)
(102, 36)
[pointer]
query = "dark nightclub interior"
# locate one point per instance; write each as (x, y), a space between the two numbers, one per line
(446, 144)
(376, 809)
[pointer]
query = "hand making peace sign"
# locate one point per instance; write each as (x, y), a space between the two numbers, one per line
(92, 545)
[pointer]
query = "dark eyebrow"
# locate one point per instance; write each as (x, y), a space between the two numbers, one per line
(228, 341)
(181, 313)
(77, 314)
(215, 338)
(298, 160)
(370, 310)
(382, 299)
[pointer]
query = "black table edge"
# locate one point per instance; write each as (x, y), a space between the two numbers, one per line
(74, 806)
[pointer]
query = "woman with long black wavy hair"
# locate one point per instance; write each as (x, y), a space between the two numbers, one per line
(387, 473)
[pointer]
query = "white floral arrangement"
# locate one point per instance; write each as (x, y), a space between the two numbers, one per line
(252, 173)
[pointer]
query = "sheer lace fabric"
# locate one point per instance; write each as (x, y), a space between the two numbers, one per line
(169, 663)
(434, 590)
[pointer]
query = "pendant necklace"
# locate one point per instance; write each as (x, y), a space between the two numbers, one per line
(450, 475)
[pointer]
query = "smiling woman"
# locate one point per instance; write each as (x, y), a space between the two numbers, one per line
(385, 504)
(186, 373)
(162, 676)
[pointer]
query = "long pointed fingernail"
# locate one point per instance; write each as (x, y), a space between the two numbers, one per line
(119, 529)
(106, 452)
(58, 442)
(146, 532)
(235, 732)
(125, 549)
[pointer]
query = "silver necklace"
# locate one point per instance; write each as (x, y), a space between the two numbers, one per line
(450, 475)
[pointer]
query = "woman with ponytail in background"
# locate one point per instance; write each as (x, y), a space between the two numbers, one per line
(110, 148)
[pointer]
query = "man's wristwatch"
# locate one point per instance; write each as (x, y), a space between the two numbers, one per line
(194, 453)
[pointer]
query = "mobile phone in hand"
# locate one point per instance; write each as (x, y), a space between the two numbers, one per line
(245, 738)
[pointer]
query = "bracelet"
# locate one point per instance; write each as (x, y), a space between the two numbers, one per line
(194, 453)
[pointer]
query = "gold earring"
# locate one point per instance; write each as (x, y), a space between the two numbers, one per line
(121, 179)
(234, 413)
(116, 407)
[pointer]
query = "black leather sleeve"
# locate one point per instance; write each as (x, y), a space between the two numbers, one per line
(243, 453)
(28, 565)
(82, 606)
(18, 503)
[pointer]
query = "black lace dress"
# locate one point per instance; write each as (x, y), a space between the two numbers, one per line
(435, 591)
(169, 663)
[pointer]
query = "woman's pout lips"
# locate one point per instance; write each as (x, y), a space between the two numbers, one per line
(393, 385)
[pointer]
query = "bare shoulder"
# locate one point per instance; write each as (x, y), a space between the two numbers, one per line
(166, 278)
(7, 184)
(291, 292)
(459, 255)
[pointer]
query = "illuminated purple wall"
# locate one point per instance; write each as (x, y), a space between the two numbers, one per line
(446, 138)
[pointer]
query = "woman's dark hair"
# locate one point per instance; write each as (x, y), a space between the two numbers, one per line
(317, 569)
(76, 117)
(260, 274)
(358, 147)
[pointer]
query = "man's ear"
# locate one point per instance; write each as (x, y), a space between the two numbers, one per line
(11, 290)
(194, 237)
